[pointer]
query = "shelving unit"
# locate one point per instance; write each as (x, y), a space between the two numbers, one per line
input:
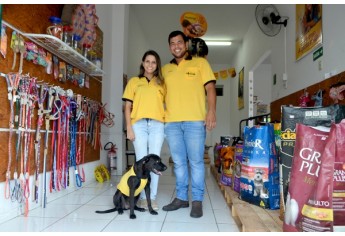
(61, 50)
(65, 52)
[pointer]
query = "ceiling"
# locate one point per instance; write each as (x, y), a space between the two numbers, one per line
(224, 22)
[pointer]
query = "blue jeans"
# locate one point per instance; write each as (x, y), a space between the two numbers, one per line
(186, 142)
(149, 138)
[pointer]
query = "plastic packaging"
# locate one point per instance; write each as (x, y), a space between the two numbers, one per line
(67, 36)
(55, 28)
(76, 43)
(86, 50)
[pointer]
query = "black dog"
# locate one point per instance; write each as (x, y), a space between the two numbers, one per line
(133, 182)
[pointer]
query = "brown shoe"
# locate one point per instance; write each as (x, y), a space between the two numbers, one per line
(176, 204)
(196, 211)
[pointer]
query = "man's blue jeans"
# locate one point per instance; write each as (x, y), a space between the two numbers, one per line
(186, 142)
(149, 138)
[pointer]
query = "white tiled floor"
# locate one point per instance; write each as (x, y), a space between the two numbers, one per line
(76, 212)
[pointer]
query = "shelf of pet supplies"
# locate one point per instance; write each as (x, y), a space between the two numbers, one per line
(65, 52)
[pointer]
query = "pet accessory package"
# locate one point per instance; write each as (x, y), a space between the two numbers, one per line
(259, 173)
(309, 200)
(312, 116)
(237, 167)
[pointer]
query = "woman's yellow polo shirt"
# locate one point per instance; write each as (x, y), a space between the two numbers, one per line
(147, 98)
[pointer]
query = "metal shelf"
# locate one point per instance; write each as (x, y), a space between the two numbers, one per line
(65, 52)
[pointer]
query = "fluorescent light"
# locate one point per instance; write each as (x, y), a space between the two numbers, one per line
(217, 43)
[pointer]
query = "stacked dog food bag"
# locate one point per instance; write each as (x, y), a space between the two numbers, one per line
(237, 167)
(311, 116)
(260, 174)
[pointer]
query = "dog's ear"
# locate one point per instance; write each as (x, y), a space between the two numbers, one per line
(146, 159)
(151, 156)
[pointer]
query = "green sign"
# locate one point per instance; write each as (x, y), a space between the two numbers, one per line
(318, 53)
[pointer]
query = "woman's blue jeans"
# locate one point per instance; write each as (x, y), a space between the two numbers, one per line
(186, 142)
(149, 138)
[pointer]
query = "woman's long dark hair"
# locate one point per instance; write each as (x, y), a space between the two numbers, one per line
(158, 72)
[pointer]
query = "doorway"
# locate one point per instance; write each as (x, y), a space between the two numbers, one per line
(260, 87)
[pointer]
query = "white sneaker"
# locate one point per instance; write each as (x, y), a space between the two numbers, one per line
(142, 203)
(154, 205)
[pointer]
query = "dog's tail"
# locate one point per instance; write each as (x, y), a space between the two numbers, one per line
(107, 211)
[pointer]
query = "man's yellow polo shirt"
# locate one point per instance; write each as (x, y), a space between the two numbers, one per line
(185, 92)
(147, 98)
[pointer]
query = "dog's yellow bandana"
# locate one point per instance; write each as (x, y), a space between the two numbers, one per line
(123, 185)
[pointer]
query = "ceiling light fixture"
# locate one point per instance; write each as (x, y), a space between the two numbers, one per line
(217, 43)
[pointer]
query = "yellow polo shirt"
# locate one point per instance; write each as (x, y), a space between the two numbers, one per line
(185, 92)
(147, 98)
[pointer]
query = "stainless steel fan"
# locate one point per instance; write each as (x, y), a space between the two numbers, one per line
(269, 19)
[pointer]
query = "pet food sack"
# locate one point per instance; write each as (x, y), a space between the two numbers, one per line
(216, 155)
(309, 199)
(237, 167)
(339, 176)
(227, 155)
(312, 116)
(259, 174)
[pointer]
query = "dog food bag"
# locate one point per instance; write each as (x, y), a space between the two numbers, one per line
(227, 155)
(216, 155)
(309, 199)
(237, 167)
(339, 176)
(339, 193)
(259, 183)
(312, 116)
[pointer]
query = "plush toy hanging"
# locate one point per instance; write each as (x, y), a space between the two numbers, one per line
(304, 99)
(337, 92)
(317, 97)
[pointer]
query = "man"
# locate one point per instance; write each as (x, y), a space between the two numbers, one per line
(187, 79)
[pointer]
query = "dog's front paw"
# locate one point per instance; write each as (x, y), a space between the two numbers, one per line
(153, 212)
(132, 216)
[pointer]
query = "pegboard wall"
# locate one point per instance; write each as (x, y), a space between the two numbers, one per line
(33, 18)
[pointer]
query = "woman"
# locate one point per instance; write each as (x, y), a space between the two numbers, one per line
(144, 115)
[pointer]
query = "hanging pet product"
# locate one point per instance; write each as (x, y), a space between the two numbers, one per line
(112, 157)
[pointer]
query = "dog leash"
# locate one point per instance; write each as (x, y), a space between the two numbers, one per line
(40, 100)
(12, 87)
(73, 135)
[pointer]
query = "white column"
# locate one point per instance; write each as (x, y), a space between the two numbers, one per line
(113, 21)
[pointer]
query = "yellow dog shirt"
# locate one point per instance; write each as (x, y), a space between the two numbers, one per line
(123, 185)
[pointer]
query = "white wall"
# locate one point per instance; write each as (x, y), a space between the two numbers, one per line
(263, 82)
(223, 107)
(137, 45)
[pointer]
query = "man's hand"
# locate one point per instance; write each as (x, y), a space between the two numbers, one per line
(210, 121)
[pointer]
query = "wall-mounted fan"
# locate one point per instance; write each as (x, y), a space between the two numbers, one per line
(268, 19)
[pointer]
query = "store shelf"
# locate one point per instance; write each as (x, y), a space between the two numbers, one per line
(65, 52)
